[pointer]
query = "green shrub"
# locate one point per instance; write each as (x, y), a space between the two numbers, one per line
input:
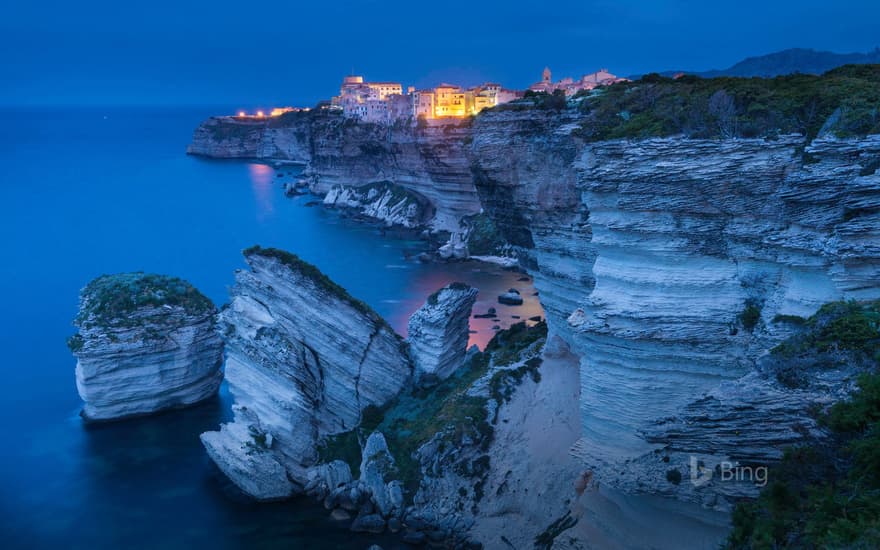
(750, 315)
(826, 495)
(655, 106)
(75, 343)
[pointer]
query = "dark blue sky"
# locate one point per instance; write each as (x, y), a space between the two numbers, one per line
(289, 52)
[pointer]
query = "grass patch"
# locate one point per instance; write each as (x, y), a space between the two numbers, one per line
(507, 345)
(483, 235)
(110, 300)
(414, 418)
(826, 495)
(345, 447)
(838, 326)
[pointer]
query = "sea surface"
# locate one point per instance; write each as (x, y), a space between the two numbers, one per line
(90, 191)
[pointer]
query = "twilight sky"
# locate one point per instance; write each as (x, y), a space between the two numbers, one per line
(265, 53)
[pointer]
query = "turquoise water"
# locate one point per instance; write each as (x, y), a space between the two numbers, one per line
(87, 192)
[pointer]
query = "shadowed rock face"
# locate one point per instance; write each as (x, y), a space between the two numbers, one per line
(438, 331)
(650, 254)
(304, 359)
(146, 343)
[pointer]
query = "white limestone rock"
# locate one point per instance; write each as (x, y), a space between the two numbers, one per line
(646, 253)
(146, 343)
(304, 359)
(377, 465)
(438, 332)
(383, 201)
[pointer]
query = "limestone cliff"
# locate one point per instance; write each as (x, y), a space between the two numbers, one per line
(304, 360)
(663, 263)
(383, 201)
(438, 331)
(429, 160)
(146, 343)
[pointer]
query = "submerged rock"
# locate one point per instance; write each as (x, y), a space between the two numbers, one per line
(438, 331)
(304, 359)
(146, 343)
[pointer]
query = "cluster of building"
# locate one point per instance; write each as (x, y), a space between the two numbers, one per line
(386, 101)
(571, 86)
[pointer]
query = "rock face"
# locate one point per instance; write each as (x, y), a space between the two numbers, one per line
(304, 359)
(281, 138)
(383, 201)
(663, 262)
(146, 343)
(438, 332)
(430, 161)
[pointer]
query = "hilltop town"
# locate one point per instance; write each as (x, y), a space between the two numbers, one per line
(387, 103)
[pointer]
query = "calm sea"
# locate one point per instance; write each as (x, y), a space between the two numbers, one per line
(91, 191)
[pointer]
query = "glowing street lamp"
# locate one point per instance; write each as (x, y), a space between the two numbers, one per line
(241, 114)
(261, 114)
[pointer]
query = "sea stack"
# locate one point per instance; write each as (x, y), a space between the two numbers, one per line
(146, 343)
(304, 359)
(438, 332)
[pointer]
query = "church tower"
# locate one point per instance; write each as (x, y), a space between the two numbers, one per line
(545, 76)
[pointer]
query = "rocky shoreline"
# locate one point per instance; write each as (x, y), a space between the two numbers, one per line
(389, 434)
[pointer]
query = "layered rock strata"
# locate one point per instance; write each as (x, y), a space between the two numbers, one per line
(664, 261)
(438, 332)
(383, 201)
(304, 359)
(146, 343)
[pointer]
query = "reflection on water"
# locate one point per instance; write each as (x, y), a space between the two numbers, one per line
(490, 280)
(261, 183)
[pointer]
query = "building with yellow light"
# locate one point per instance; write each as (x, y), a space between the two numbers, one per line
(385, 102)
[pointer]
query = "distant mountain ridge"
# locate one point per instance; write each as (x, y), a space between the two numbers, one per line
(793, 60)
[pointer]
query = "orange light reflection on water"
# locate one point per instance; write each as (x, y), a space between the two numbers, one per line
(491, 281)
(261, 183)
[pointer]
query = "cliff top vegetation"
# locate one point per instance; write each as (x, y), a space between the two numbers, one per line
(110, 299)
(844, 101)
(827, 494)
